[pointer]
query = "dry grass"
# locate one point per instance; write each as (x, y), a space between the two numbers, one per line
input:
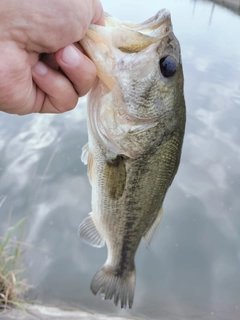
(12, 284)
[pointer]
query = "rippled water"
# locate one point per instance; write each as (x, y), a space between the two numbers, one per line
(192, 268)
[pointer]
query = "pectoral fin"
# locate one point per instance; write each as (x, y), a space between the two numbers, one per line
(87, 158)
(84, 156)
(147, 237)
(89, 233)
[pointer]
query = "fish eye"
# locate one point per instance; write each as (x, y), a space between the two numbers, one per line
(168, 66)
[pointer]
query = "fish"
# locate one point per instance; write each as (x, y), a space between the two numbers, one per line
(136, 118)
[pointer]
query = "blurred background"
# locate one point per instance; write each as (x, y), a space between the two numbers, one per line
(192, 268)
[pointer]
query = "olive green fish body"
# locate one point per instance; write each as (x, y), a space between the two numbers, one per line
(136, 122)
(132, 191)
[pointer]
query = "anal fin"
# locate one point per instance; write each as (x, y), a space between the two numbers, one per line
(147, 237)
(89, 233)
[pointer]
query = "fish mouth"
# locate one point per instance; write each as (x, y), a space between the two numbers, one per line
(150, 27)
(102, 44)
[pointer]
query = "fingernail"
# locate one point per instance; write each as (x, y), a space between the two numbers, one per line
(70, 56)
(40, 68)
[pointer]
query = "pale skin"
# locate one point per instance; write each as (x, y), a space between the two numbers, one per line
(41, 67)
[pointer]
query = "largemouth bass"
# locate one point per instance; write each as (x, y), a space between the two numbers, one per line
(136, 122)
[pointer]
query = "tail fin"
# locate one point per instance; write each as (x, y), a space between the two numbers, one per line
(110, 284)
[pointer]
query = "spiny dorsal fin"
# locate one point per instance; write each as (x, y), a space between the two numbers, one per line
(152, 228)
(89, 233)
(87, 158)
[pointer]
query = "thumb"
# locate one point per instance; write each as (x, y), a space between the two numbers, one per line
(79, 69)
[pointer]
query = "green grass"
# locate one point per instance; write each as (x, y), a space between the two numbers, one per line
(12, 283)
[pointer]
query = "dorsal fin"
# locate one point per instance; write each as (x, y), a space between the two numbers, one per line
(147, 237)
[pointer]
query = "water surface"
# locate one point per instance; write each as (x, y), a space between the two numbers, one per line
(192, 268)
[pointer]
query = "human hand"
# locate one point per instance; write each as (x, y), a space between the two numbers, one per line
(46, 29)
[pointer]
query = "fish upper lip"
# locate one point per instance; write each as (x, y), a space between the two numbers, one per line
(154, 22)
(155, 28)
(147, 27)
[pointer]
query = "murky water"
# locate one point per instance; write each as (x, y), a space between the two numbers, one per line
(192, 268)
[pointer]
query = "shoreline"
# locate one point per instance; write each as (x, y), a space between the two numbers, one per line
(42, 312)
(233, 5)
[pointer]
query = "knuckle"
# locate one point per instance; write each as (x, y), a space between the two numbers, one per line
(68, 103)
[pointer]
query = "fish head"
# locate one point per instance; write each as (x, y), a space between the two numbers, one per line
(139, 89)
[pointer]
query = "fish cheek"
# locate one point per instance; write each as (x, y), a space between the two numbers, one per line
(115, 173)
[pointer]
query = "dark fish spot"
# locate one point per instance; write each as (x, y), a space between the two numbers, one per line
(115, 173)
(126, 251)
